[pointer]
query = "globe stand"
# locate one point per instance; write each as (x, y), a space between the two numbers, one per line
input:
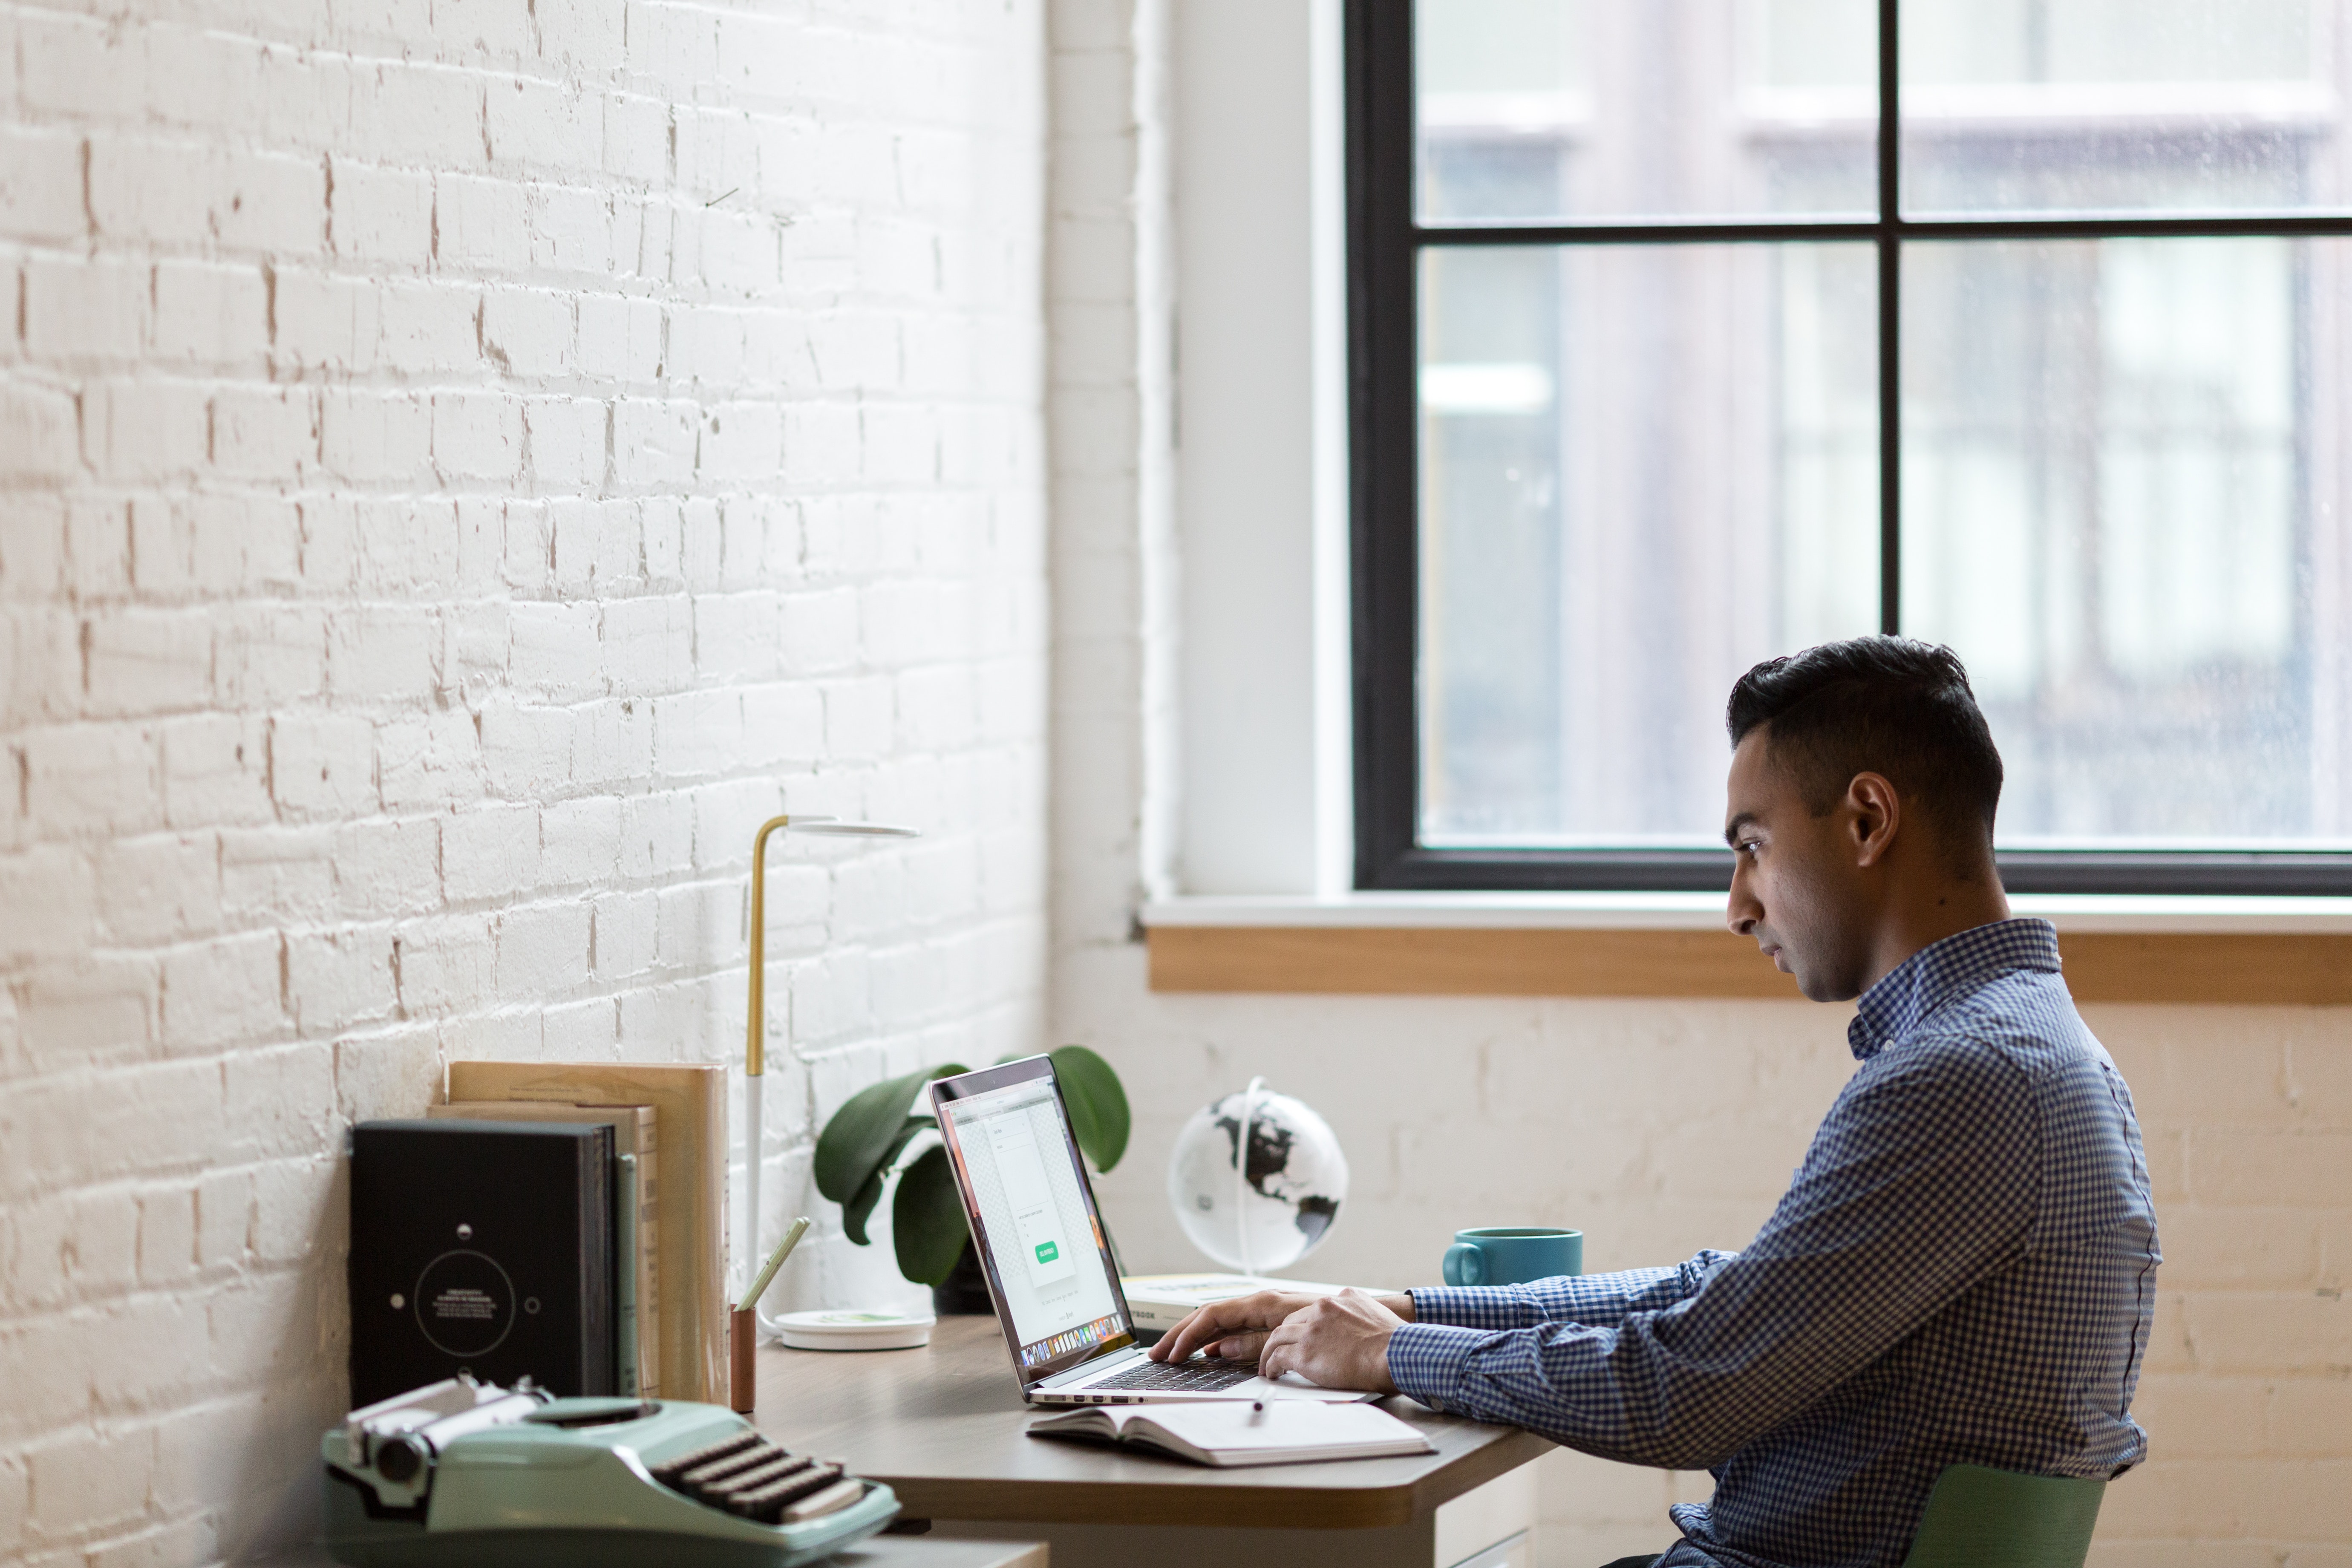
(1241, 1171)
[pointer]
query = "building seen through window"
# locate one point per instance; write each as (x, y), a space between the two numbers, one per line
(1641, 466)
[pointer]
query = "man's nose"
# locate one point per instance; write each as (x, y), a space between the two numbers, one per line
(1742, 911)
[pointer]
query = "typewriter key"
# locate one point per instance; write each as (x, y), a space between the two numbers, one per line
(669, 1470)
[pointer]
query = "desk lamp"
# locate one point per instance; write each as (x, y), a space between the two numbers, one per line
(755, 1056)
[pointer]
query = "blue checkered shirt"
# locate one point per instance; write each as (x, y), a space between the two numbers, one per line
(1962, 1272)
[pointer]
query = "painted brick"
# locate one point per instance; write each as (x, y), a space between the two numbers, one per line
(164, 888)
(488, 852)
(210, 315)
(79, 310)
(568, 441)
(324, 322)
(268, 656)
(223, 994)
(40, 183)
(264, 434)
(90, 779)
(385, 869)
(83, 1482)
(48, 898)
(322, 765)
(476, 436)
(322, 759)
(428, 326)
(380, 215)
(148, 661)
(167, 1235)
(542, 951)
(620, 338)
(429, 760)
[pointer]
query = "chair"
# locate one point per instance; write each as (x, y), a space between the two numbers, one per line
(1979, 1517)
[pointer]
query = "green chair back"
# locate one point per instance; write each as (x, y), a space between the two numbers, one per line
(1979, 1517)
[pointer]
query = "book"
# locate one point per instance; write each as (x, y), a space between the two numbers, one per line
(481, 1248)
(1157, 1302)
(1230, 1432)
(689, 1105)
(637, 1322)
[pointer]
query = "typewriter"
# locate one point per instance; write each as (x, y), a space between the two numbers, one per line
(462, 1473)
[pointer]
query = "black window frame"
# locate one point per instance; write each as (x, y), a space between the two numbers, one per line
(1384, 240)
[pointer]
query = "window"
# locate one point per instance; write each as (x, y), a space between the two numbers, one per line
(1689, 332)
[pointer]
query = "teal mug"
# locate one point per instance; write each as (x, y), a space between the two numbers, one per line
(1513, 1254)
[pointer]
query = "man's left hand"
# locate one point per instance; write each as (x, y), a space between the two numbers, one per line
(1338, 1342)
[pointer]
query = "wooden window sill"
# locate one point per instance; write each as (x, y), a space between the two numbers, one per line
(2290, 952)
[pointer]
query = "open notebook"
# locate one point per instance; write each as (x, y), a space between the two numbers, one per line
(1238, 1432)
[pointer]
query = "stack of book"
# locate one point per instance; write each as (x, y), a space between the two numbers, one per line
(561, 1220)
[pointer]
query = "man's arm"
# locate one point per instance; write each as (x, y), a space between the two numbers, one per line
(1600, 1299)
(1918, 1187)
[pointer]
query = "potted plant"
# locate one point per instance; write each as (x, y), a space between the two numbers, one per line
(863, 1143)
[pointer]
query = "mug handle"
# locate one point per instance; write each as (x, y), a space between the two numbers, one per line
(1464, 1265)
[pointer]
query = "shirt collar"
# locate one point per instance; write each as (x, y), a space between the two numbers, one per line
(1915, 987)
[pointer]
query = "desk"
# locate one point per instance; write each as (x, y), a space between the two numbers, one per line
(944, 1427)
(875, 1552)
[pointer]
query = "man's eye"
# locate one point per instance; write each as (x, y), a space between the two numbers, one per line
(1748, 846)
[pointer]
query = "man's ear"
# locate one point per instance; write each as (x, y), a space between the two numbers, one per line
(1876, 815)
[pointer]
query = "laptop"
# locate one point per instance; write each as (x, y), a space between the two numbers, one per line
(1050, 1272)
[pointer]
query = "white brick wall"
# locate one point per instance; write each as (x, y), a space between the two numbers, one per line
(460, 469)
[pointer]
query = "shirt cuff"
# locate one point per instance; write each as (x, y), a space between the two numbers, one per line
(1429, 1360)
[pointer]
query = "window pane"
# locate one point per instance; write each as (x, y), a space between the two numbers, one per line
(1553, 108)
(1642, 468)
(2121, 105)
(2124, 494)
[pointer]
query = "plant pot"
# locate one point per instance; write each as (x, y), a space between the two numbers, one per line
(965, 1291)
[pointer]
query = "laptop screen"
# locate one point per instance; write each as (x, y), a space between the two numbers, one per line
(1018, 1168)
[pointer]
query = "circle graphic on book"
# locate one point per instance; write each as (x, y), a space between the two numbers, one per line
(465, 1303)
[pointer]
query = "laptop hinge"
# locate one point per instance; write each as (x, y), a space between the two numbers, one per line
(1084, 1369)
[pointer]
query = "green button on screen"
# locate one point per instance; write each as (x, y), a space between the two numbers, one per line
(1047, 1252)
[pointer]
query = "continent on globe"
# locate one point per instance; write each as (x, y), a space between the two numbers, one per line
(1264, 1205)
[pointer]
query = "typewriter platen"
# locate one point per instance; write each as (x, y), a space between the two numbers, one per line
(462, 1473)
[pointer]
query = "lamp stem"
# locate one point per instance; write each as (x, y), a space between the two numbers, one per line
(755, 1040)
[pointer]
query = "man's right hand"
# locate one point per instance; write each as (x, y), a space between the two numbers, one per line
(1236, 1330)
(1231, 1330)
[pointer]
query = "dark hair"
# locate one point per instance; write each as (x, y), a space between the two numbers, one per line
(1882, 705)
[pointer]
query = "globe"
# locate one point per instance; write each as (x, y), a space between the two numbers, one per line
(1265, 1208)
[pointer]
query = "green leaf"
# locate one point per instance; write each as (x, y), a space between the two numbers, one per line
(867, 1133)
(1098, 1113)
(927, 1221)
(856, 1144)
(855, 1212)
(858, 1209)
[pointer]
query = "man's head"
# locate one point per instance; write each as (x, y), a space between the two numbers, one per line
(1863, 782)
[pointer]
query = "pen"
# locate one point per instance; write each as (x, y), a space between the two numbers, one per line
(793, 1235)
(1257, 1411)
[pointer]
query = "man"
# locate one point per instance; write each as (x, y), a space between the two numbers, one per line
(1963, 1269)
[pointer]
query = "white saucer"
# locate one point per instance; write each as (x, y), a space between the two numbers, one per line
(854, 1329)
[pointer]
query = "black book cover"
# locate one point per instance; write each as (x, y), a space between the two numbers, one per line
(483, 1248)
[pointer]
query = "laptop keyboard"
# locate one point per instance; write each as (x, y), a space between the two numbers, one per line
(1180, 1377)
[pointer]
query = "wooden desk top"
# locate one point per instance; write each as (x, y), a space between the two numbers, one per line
(944, 1427)
(875, 1552)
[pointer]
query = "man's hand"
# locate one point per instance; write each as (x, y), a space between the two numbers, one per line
(1231, 1329)
(1334, 1342)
